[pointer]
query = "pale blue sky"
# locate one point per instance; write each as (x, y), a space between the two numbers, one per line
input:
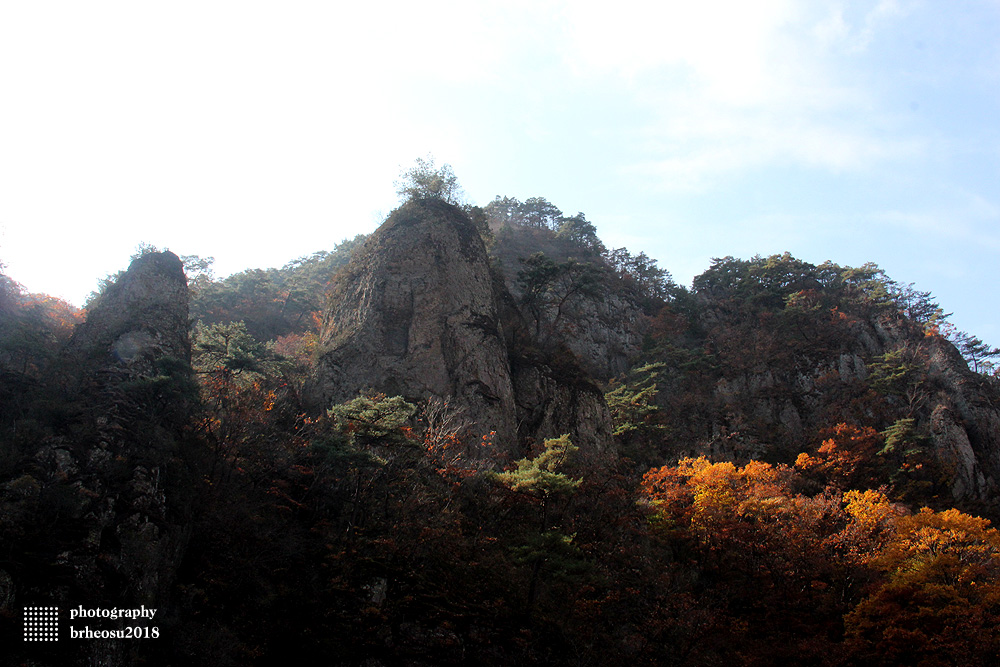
(258, 132)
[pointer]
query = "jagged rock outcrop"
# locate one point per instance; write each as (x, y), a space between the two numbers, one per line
(549, 407)
(960, 408)
(417, 313)
(789, 396)
(141, 316)
(134, 353)
(116, 534)
(954, 449)
(964, 421)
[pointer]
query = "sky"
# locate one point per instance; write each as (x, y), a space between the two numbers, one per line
(258, 132)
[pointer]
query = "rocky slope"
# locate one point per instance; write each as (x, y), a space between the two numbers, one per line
(417, 313)
(107, 481)
(140, 317)
(771, 354)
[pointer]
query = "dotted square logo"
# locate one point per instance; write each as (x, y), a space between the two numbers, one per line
(41, 624)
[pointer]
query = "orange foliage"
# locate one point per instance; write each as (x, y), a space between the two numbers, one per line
(297, 346)
(940, 601)
(451, 456)
(846, 457)
(912, 589)
(715, 498)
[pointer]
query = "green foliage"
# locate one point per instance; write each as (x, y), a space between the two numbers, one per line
(198, 269)
(769, 282)
(976, 353)
(911, 469)
(632, 403)
(903, 438)
(229, 350)
(920, 307)
(426, 181)
(535, 212)
(868, 282)
(554, 554)
(367, 419)
(579, 231)
(540, 476)
(549, 551)
(536, 279)
(896, 374)
(481, 222)
(535, 225)
(762, 282)
(271, 302)
(892, 373)
(642, 274)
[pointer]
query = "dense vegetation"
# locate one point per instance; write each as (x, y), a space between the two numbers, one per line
(377, 533)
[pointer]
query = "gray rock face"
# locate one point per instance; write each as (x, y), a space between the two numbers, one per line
(140, 317)
(606, 334)
(417, 314)
(959, 408)
(548, 408)
(965, 422)
(954, 449)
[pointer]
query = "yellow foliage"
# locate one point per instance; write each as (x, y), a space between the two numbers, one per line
(869, 508)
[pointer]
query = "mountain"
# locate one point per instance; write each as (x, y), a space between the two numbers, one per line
(765, 357)
(417, 313)
(479, 434)
(95, 503)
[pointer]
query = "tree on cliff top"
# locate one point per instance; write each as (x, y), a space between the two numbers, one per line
(424, 180)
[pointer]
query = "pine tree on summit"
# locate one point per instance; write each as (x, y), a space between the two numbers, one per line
(425, 181)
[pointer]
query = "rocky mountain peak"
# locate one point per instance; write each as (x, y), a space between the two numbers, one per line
(140, 316)
(417, 314)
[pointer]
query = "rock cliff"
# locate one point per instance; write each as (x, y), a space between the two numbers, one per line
(417, 313)
(605, 333)
(114, 462)
(964, 415)
(140, 317)
(766, 410)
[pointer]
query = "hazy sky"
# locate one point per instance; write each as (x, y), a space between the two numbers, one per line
(257, 132)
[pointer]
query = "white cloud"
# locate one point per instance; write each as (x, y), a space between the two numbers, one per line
(207, 124)
(735, 85)
(700, 148)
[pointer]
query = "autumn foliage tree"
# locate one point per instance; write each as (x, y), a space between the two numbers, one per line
(939, 600)
(884, 586)
(846, 458)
